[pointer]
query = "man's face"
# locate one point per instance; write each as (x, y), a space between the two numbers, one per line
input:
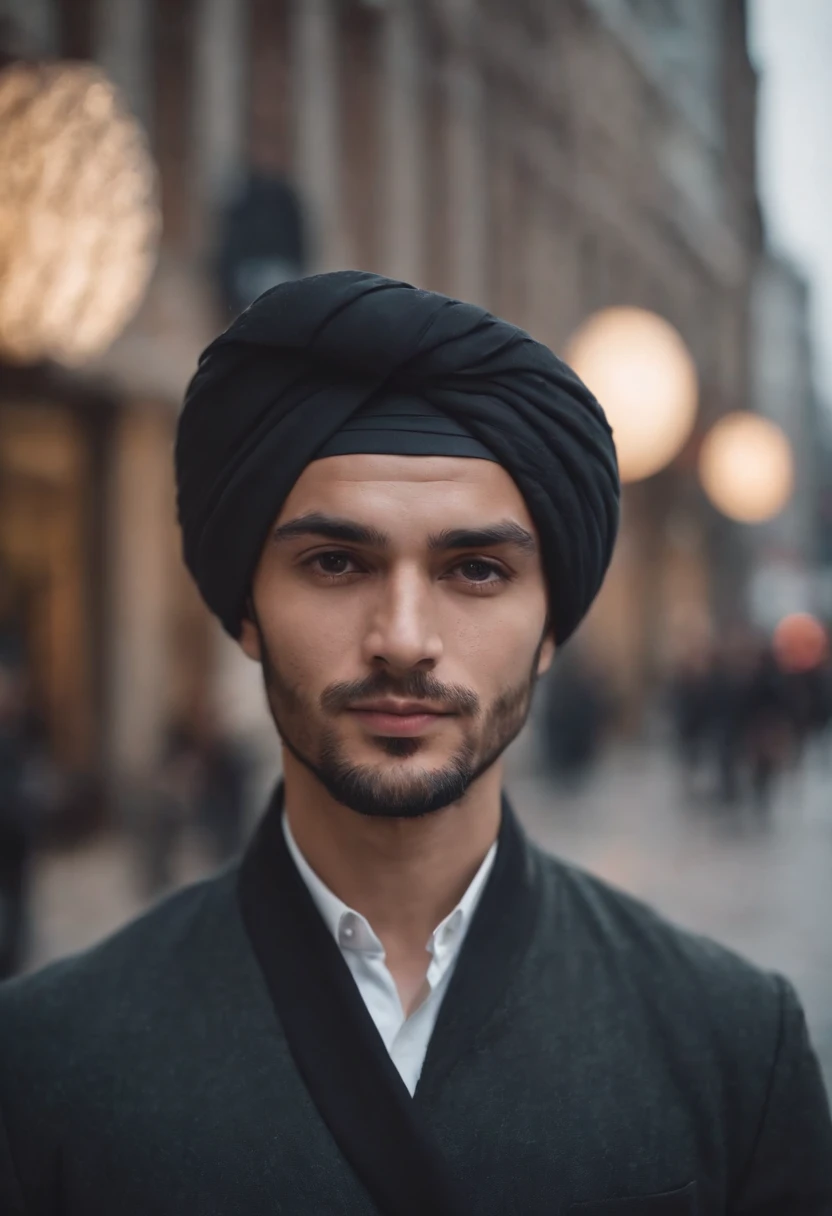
(400, 616)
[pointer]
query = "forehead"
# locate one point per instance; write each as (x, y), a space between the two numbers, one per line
(416, 491)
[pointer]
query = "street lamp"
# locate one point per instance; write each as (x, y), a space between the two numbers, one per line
(79, 220)
(746, 467)
(641, 371)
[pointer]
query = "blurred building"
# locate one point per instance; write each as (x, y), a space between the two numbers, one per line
(545, 159)
(666, 100)
(822, 460)
(789, 547)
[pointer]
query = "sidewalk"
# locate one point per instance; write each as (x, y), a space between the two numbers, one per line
(81, 896)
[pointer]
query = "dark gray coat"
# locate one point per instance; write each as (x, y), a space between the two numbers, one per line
(612, 1058)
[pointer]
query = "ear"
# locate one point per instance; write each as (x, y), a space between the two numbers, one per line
(249, 639)
(547, 654)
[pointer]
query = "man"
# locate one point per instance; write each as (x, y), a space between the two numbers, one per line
(395, 1004)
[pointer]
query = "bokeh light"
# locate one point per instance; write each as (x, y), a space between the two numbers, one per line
(800, 642)
(641, 371)
(79, 221)
(746, 467)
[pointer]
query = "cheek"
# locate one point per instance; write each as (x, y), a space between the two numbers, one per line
(308, 640)
(496, 645)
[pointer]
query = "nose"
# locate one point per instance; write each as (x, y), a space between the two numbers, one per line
(402, 631)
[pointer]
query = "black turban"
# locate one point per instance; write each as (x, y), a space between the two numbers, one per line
(308, 358)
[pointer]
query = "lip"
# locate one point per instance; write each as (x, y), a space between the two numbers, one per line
(389, 705)
(400, 719)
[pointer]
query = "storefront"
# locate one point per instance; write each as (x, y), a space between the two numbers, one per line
(94, 602)
(53, 451)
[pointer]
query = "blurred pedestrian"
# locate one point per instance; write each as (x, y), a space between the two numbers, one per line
(692, 709)
(575, 711)
(750, 718)
(21, 808)
(801, 651)
(221, 801)
(736, 657)
(808, 700)
(768, 727)
(824, 711)
(170, 807)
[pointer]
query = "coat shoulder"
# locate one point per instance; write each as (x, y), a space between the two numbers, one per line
(686, 974)
(120, 978)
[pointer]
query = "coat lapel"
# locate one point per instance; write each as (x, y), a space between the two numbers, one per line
(496, 943)
(342, 1059)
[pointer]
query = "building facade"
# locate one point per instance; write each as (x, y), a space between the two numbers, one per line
(543, 158)
(790, 549)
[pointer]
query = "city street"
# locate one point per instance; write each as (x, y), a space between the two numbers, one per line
(760, 885)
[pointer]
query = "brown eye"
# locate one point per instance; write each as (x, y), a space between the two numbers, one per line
(333, 563)
(331, 566)
(477, 571)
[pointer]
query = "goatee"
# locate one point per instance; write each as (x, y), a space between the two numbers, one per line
(409, 793)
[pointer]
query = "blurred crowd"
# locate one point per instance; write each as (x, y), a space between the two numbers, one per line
(745, 709)
(741, 710)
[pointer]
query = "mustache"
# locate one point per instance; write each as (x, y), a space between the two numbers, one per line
(415, 686)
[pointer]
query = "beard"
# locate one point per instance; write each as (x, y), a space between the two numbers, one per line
(406, 793)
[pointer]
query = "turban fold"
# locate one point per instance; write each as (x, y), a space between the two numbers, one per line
(313, 363)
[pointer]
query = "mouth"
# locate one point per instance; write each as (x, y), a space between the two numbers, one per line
(398, 719)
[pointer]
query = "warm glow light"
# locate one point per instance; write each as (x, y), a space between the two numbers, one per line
(800, 643)
(746, 467)
(642, 373)
(79, 222)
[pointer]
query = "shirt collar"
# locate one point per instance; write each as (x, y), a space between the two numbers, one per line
(352, 931)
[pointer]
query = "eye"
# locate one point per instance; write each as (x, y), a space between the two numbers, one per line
(479, 571)
(333, 564)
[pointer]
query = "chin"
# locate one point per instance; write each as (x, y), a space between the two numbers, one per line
(400, 749)
(400, 787)
(397, 794)
(406, 756)
(390, 777)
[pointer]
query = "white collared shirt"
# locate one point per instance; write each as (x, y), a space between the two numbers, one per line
(406, 1038)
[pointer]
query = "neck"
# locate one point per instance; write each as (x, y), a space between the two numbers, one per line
(404, 875)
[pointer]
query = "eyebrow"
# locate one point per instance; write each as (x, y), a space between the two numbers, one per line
(333, 527)
(504, 533)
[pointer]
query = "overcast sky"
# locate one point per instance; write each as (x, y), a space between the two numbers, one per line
(791, 42)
